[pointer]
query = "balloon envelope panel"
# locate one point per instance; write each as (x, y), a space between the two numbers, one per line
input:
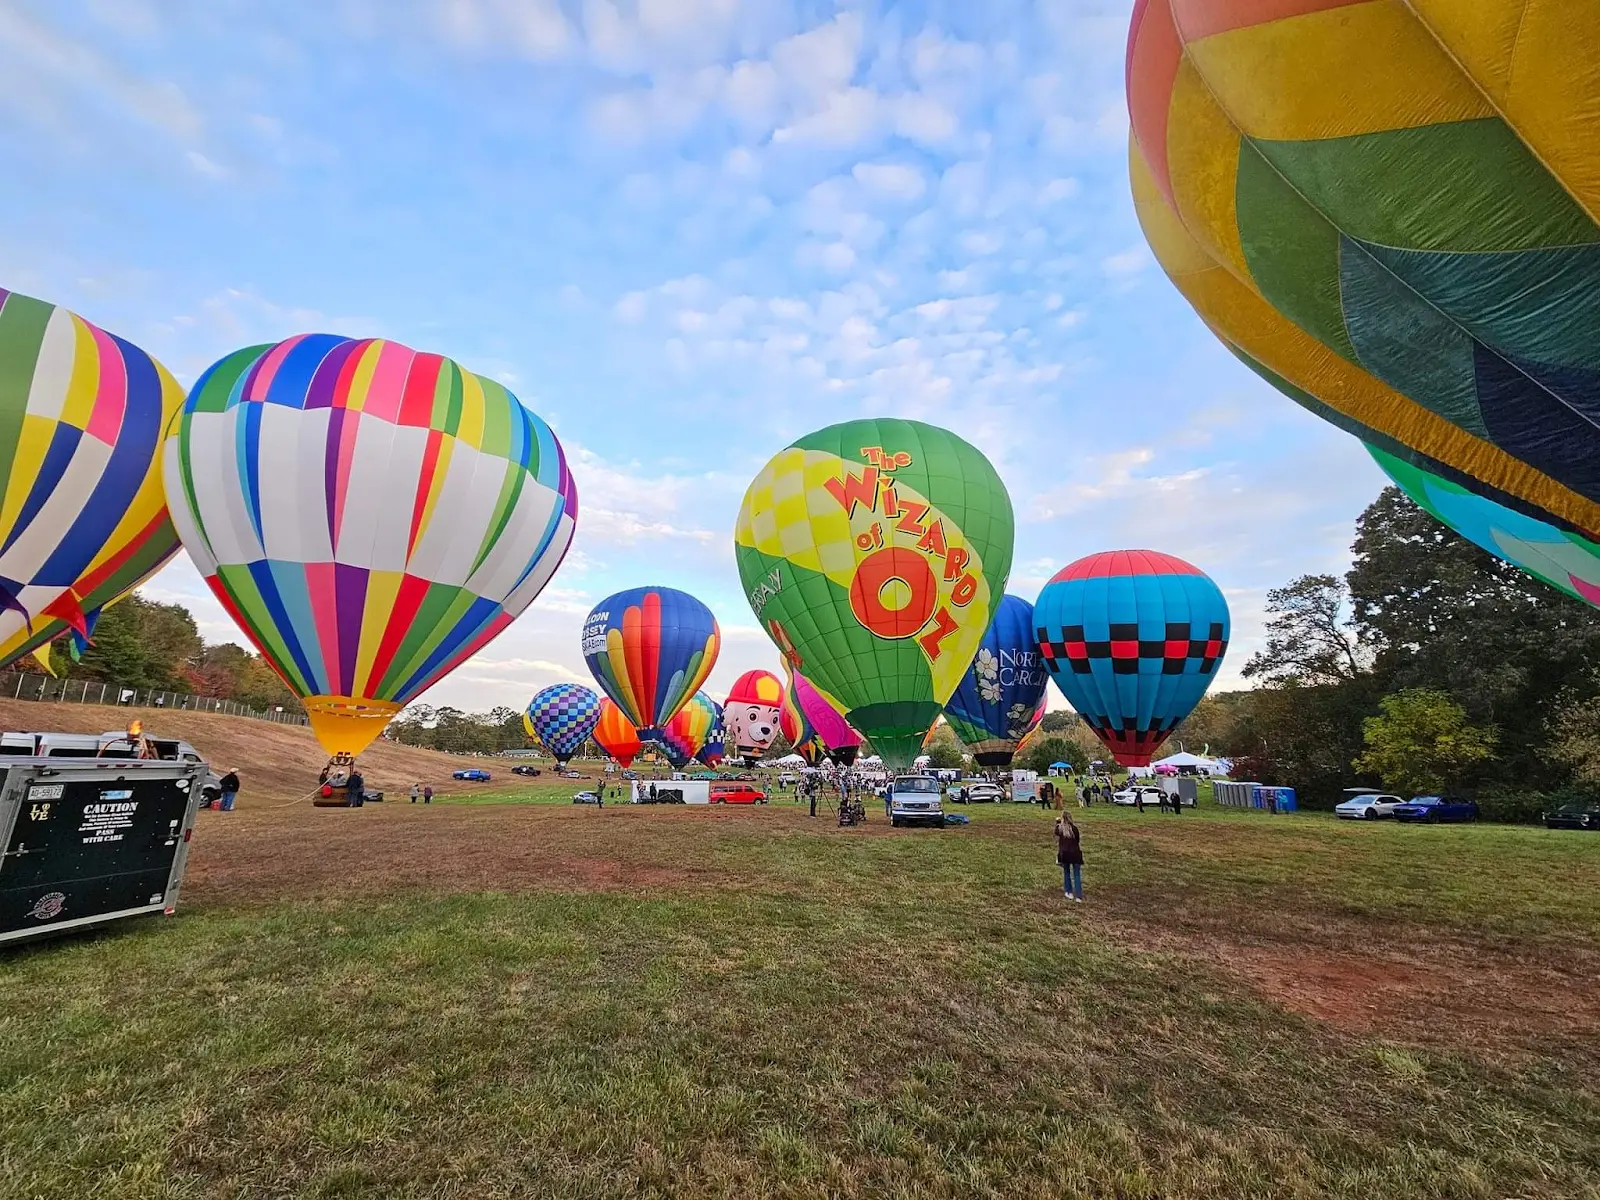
(1133, 639)
(711, 752)
(873, 553)
(1566, 561)
(825, 718)
(563, 716)
(650, 649)
(1367, 203)
(82, 514)
(369, 515)
(995, 705)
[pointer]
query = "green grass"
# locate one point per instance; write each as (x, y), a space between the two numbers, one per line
(844, 1014)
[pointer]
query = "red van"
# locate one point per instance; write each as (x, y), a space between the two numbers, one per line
(737, 793)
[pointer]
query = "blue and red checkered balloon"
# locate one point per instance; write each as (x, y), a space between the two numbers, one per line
(1132, 638)
(562, 717)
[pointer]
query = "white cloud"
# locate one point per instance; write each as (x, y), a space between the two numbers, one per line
(1127, 262)
(844, 118)
(821, 61)
(896, 181)
(534, 29)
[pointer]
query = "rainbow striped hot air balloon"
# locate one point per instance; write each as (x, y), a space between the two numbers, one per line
(1132, 638)
(650, 649)
(711, 753)
(685, 735)
(562, 717)
(82, 516)
(615, 734)
(1390, 209)
(369, 515)
(796, 726)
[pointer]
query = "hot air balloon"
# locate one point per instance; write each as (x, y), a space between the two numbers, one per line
(615, 734)
(1370, 207)
(369, 515)
(1132, 638)
(874, 553)
(1001, 694)
(823, 714)
(712, 751)
(796, 727)
(685, 735)
(650, 649)
(1566, 561)
(563, 716)
(750, 713)
(83, 520)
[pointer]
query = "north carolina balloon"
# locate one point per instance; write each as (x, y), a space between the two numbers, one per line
(998, 700)
(370, 516)
(84, 520)
(874, 553)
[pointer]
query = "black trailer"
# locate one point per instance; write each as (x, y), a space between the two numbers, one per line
(87, 841)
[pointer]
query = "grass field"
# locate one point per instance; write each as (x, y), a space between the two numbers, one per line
(483, 1000)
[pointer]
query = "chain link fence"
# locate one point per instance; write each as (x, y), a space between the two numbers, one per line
(18, 685)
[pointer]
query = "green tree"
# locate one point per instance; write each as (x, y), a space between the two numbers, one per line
(944, 755)
(1422, 742)
(1440, 613)
(1575, 737)
(1059, 721)
(1310, 639)
(1052, 750)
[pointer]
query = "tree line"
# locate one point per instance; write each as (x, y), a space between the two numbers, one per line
(1430, 666)
(147, 644)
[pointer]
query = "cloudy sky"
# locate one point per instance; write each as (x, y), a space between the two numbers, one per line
(684, 232)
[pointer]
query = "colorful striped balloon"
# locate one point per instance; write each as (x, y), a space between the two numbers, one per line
(1390, 209)
(796, 726)
(82, 516)
(1133, 639)
(615, 734)
(1566, 561)
(650, 649)
(685, 735)
(826, 716)
(369, 515)
(562, 717)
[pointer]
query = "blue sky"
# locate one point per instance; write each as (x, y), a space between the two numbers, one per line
(684, 232)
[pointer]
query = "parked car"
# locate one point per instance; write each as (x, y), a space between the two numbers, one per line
(981, 792)
(1366, 805)
(586, 798)
(1575, 814)
(736, 793)
(524, 769)
(567, 773)
(1130, 796)
(472, 774)
(1436, 808)
(916, 800)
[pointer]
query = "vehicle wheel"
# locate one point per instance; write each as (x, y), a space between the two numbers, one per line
(894, 822)
(1370, 815)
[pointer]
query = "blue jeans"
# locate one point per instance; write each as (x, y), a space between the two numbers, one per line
(227, 801)
(1072, 879)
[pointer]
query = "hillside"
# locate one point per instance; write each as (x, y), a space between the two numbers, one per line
(276, 763)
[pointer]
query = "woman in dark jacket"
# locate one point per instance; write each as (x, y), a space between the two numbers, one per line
(1069, 854)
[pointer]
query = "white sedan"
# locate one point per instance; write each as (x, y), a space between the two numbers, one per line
(1367, 806)
(1130, 796)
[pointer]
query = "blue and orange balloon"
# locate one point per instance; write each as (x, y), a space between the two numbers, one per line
(996, 702)
(563, 716)
(650, 649)
(1133, 638)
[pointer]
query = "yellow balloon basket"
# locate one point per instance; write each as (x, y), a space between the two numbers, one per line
(348, 724)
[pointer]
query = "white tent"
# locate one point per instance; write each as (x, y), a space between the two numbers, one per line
(1197, 762)
(788, 760)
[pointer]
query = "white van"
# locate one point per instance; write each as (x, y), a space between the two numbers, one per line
(916, 800)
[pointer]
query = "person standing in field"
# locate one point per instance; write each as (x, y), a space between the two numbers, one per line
(1069, 856)
(427, 794)
(416, 790)
(229, 787)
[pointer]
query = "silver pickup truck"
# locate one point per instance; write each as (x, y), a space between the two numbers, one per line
(916, 800)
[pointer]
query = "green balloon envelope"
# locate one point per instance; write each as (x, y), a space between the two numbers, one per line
(874, 554)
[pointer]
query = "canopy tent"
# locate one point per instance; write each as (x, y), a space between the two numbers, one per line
(788, 760)
(1197, 762)
(1067, 765)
